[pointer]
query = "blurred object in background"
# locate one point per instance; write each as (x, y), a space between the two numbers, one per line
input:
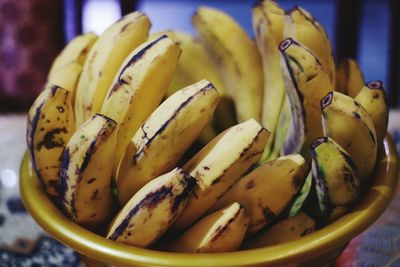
(32, 32)
(30, 37)
(91, 11)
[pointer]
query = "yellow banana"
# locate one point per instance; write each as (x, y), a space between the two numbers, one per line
(372, 97)
(139, 88)
(268, 190)
(75, 51)
(219, 165)
(194, 64)
(162, 140)
(237, 58)
(150, 212)
(302, 27)
(284, 231)
(348, 123)
(306, 84)
(50, 125)
(85, 174)
(268, 23)
(349, 79)
(221, 231)
(334, 174)
(104, 60)
(67, 77)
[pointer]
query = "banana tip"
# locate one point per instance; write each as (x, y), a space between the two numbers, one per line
(318, 141)
(326, 100)
(285, 44)
(375, 85)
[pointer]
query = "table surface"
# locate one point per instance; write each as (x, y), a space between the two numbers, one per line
(24, 243)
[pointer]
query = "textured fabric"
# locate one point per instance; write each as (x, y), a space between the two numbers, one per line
(30, 38)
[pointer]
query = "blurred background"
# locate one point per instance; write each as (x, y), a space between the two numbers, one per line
(32, 32)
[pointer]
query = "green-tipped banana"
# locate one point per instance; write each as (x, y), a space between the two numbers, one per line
(237, 58)
(349, 79)
(75, 51)
(268, 24)
(300, 199)
(282, 129)
(306, 83)
(104, 60)
(139, 87)
(219, 165)
(151, 211)
(221, 231)
(284, 231)
(268, 190)
(334, 173)
(165, 136)
(85, 174)
(372, 97)
(50, 125)
(302, 27)
(349, 124)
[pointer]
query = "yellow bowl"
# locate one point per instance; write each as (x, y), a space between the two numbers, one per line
(317, 248)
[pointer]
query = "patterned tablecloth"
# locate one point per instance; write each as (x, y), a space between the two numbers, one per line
(24, 243)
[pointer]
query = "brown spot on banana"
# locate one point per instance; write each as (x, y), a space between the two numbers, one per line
(268, 214)
(49, 140)
(220, 230)
(249, 185)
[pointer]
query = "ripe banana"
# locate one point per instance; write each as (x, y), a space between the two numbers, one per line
(67, 77)
(289, 229)
(372, 97)
(162, 140)
(195, 65)
(302, 27)
(150, 212)
(219, 165)
(334, 174)
(306, 83)
(348, 123)
(237, 58)
(50, 125)
(85, 174)
(104, 60)
(349, 78)
(75, 51)
(221, 231)
(268, 20)
(268, 190)
(139, 87)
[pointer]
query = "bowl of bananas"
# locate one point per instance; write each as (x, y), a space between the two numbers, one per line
(215, 150)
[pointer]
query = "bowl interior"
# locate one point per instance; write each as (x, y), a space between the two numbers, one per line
(312, 246)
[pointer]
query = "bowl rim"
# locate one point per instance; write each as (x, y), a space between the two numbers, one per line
(331, 237)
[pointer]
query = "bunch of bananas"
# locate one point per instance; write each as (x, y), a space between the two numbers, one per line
(207, 144)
